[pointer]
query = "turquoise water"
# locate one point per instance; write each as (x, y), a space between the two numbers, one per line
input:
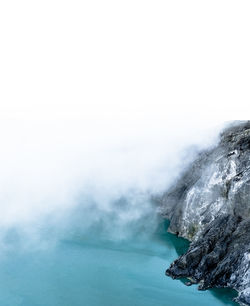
(94, 272)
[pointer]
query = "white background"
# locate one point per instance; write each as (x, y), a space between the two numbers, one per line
(161, 59)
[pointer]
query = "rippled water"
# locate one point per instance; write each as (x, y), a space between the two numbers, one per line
(94, 272)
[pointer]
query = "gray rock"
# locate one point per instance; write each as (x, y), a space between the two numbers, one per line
(210, 206)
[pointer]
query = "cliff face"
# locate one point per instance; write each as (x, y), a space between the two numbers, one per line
(210, 205)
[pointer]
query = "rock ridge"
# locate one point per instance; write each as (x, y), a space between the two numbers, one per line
(210, 206)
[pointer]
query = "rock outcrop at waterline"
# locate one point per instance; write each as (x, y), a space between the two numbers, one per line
(210, 206)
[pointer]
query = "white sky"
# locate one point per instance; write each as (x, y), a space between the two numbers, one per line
(140, 59)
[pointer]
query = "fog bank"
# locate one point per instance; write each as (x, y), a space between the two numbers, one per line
(61, 175)
(103, 103)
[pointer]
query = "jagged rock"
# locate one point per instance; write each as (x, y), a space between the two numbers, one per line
(210, 205)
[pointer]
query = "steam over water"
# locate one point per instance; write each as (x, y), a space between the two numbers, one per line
(77, 225)
(59, 176)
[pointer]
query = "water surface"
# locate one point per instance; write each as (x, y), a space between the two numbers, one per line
(96, 272)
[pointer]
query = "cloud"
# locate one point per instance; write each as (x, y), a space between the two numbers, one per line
(60, 175)
(100, 99)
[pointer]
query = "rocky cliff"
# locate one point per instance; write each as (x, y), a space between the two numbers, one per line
(210, 206)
